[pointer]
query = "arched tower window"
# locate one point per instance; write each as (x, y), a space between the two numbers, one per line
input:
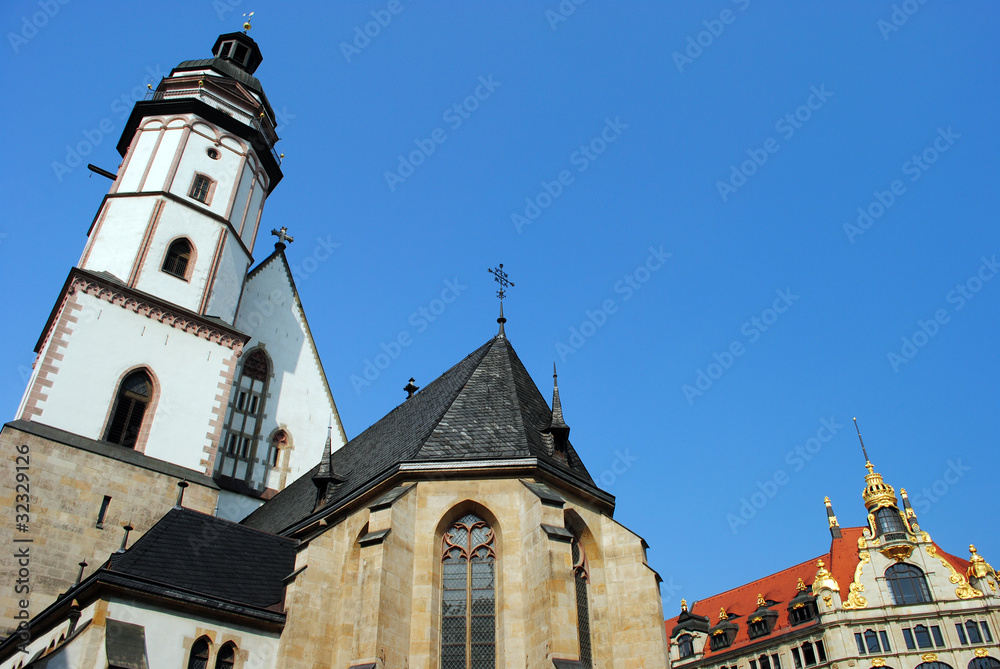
(984, 663)
(131, 401)
(888, 521)
(279, 442)
(468, 597)
(907, 584)
(581, 575)
(199, 654)
(933, 665)
(246, 411)
(227, 657)
(685, 645)
(177, 258)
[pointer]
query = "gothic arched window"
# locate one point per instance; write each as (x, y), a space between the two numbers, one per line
(177, 258)
(131, 401)
(907, 584)
(468, 595)
(227, 657)
(199, 654)
(685, 645)
(246, 409)
(581, 575)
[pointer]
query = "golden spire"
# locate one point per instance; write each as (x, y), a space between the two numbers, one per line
(761, 604)
(722, 614)
(800, 586)
(684, 606)
(246, 24)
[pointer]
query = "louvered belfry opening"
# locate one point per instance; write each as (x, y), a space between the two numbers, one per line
(468, 602)
(130, 408)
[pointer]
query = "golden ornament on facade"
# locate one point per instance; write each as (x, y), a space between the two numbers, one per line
(824, 579)
(684, 605)
(760, 602)
(878, 662)
(929, 657)
(722, 614)
(897, 553)
(828, 599)
(854, 598)
(978, 567)
(964, 590)
(800, 586)
(982, 652)
(833, 521)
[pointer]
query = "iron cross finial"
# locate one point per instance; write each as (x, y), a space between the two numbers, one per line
(500, 277)
(283, 235)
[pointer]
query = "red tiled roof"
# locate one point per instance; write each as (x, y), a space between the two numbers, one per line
(780, 587)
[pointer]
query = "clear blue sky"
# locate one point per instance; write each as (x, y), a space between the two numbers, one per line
(836, 107)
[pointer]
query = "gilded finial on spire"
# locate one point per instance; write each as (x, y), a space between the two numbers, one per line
(978, 567)
(800, 586)
(824, 579)
(684, 605)
(246, 24)
(761, 604)
(722, 614)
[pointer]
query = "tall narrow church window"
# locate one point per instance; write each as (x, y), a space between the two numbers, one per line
(226, 658)
(201, 188)
(468, 601)
(581, 575)
(130, 407)
(246, 410)
(199, 654)
(907, 584)
(177, 258)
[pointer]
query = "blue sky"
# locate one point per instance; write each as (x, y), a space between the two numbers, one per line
(674, 188)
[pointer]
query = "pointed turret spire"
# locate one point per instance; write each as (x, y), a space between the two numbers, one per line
(832, 518)
(911, 515)
(500, 277)
(557, 414)
(325, 478)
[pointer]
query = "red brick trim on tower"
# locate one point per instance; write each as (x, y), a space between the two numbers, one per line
(214, 435)
(58, 338)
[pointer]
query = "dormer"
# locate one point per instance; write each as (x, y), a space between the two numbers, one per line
(689, 635)
(240, 50)
(802, 608)
(723, 633)
(761, 622)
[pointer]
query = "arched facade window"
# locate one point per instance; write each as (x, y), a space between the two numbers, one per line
(240, 459)
(468, 597)
(177, 259)
(227, 657)
(581, 575)
(984, 663)
(685, 645)
(199, 654)
(907, 584)
(131, 402)
(933, 665)
(279, 442)
(888, 521)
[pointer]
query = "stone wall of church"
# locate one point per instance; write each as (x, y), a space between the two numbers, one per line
(372, 584)
(66, 488)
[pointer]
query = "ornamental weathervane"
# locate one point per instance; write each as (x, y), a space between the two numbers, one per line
(500, 277)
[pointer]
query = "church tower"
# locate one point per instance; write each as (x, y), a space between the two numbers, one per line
(162, 341)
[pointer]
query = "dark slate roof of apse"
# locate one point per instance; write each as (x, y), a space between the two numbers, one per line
(209, 556)
(486, 407)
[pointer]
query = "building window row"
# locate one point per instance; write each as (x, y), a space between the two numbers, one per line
(872, 642)
(201, 653)
(808, 654)
(973, 633)
(765, 662)
(920, 637)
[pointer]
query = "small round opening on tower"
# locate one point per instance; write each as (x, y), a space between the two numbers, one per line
(213, 154)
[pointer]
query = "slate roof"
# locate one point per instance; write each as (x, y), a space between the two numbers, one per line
(780, 587)
(486, 407)
(212, 557)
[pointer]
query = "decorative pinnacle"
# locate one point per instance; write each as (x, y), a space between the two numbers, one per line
(684, 605)
(410, 388)
(722, 614)
(800, 586)
(246, 24)
(865, 452)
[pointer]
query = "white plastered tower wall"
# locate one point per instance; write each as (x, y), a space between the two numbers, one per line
(299, 398)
